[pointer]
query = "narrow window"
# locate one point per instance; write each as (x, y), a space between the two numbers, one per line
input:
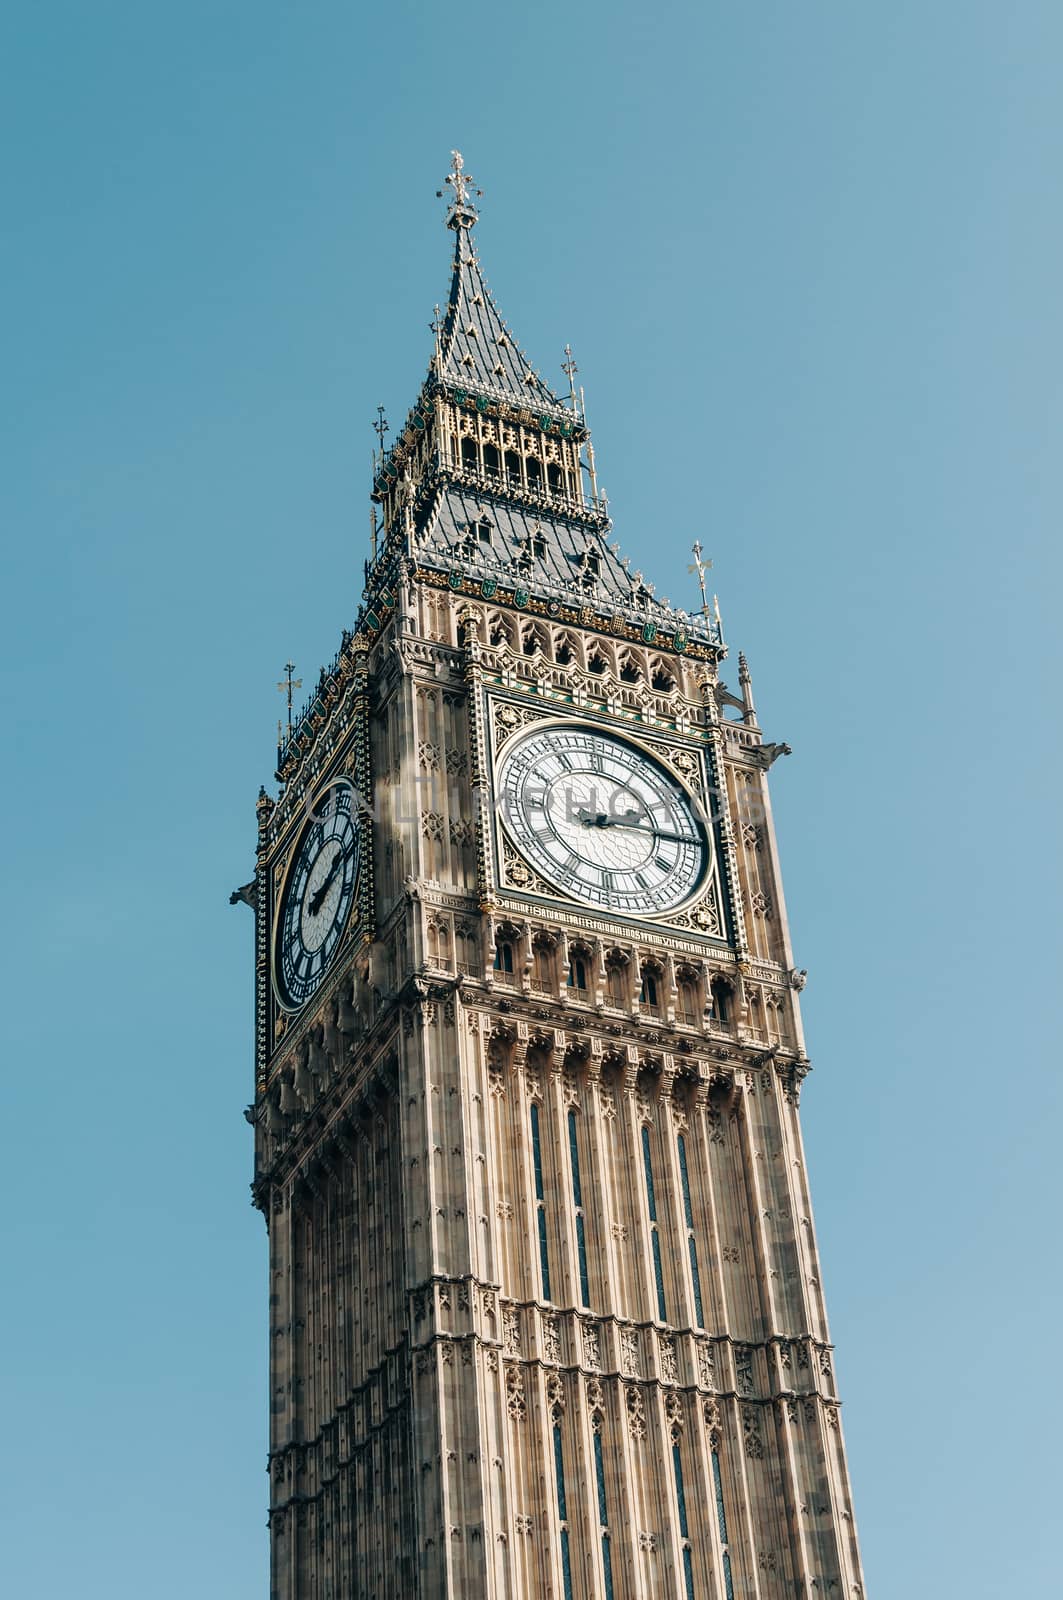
(687, 999)
(490, 461)
(603, 1515)
(513, 467)
(617, 988)
(692, 1248)
(648, 996)
(503, 956)
(655, 1238)
(534, 471)
(721, 1000)
(540, 1203)
(577, 973)
(684, 1528)
(562, 1512)
(629, 672)
(469, 453)
(728, 1582)
(577, 1201)
(553, 477)
(542, 974)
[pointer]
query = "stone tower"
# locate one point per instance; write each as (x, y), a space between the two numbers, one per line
(546, 1315)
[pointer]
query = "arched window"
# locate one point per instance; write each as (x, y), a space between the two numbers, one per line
(597, 664)
(616, 983)
(688, 999)
(490, 461)
(513, 467)
(543, 966)
(662, 679)
(650, 993)
(470, 456)
(503, 956)
(720, 990)
(534, 471)
(629, 672)
(553, 477)
(577, 973)
(465, 944)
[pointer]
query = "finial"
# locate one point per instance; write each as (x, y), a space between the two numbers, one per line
(746, 684)
(569, 368)
(287, 685)
(462, 212)
(700, 567)
(380, 428)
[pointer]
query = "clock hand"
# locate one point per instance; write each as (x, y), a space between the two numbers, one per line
(599, 819)
(318, 898)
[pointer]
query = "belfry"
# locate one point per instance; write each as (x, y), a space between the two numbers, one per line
(545, 1308)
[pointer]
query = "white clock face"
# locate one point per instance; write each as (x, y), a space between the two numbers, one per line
(317, 898)
(601, 820)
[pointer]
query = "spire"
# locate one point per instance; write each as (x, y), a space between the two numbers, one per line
(486, 482)
(475, 348)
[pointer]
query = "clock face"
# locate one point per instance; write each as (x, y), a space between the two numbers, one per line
(317, 897)
(602, 820)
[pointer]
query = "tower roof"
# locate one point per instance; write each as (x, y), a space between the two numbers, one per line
(476, 349)
(560, 557)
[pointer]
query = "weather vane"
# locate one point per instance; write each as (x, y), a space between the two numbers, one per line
(569, 368)
(288, 684)
(462, 212)
(700, 567)
(380, 426)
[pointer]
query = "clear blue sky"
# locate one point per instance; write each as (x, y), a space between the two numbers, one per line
(809, 260)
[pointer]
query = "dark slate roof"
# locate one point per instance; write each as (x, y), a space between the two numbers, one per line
(478, 350)
(558, 568)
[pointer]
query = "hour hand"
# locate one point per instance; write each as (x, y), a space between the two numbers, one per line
(601, 819)
(317, 899)
(592, 819)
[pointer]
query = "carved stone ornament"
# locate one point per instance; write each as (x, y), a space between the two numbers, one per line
(516, 1404)
(754, 1444)
(636, 1411)
(516, 871)
(711, 1413)
(705, 916)
(508, 719)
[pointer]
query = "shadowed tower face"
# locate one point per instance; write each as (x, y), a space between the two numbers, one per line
(546, 1315)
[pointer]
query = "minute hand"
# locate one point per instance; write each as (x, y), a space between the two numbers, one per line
(640, 827)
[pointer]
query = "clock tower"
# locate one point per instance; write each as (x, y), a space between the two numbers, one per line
(545, 1307)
